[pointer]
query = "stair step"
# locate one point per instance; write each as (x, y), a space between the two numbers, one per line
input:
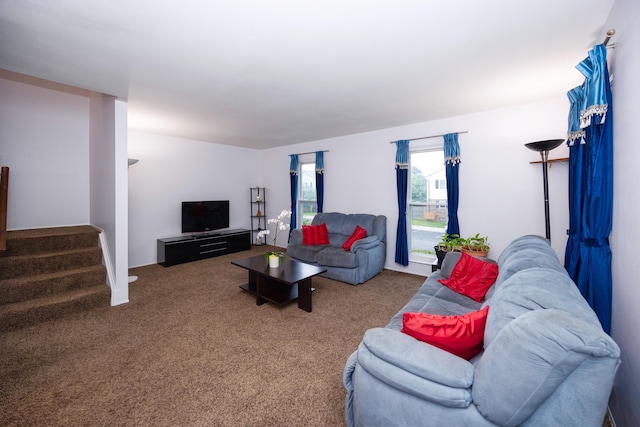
(23, 288)
(50, 273)
(51, 307)
(41, 240)
(34, 265)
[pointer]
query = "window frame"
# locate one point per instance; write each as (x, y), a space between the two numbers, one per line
(306, 160)
(415, 148)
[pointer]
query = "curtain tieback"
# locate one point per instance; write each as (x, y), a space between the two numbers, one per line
(590, 241)
(596, 241)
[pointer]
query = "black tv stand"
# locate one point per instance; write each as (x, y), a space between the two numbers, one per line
(181, 249)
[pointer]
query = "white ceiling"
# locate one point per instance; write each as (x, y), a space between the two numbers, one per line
(261, 74)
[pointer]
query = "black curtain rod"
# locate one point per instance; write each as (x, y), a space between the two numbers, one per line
(610, 34)
(311, 152)
(432, 136)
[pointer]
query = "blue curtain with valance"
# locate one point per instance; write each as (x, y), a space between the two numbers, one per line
(402, 179)
(320, 180)
(293, 178)
(575, 140)
(452, 162)
(588, 255)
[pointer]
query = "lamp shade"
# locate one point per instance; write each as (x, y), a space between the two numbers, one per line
(546, 145)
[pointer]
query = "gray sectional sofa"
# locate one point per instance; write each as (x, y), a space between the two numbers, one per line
(546, 360)
(364, 260)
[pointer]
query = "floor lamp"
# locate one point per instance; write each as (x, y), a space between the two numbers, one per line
(543, 147)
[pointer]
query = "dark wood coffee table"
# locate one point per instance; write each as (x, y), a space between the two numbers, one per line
(290, 281)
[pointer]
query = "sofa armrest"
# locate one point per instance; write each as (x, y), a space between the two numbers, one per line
(365, 243)
(295, 237)
(417, 368)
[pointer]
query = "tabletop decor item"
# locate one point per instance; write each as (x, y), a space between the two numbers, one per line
(274, 258)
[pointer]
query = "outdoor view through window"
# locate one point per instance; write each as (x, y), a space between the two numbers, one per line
(427, 213)
(307, 205)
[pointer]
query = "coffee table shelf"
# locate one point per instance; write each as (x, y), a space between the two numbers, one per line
(279, 295)
(290, 281)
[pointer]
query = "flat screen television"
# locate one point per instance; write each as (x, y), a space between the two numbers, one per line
(205, 216)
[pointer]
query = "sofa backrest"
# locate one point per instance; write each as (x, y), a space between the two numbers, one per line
(344, 224)
(530, 278)
(534, 289)
(523, 242)
(528, 364)
(540, 332)
(525, 252)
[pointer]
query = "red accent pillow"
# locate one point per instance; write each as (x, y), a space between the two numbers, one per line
(315, 234)
(472, 277)
(358, 233)
(460, 335)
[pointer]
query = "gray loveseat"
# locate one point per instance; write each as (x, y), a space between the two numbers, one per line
(364, 260)
(546, 360)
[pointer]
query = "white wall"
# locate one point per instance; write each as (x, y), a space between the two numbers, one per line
(108, 160)
(624, 64)
(501, 194)
(44, 134)
(63, 146)
(172, 170)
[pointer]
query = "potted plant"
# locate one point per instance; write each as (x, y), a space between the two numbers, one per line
(449, 243)
(476, 245)
(274, 258)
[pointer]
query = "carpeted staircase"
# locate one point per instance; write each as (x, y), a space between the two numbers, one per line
(48, 273)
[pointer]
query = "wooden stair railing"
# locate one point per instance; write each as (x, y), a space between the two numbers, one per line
(4, 189)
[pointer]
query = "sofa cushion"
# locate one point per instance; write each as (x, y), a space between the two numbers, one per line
(460, 335)
(305, 253)
(357, 234)
(435, 298)
(315, 234)
(471, 277)
(336, 257)
(451, 258)
(447, 302)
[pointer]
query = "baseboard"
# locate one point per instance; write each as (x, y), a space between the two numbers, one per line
(106, 259)
(610, 415)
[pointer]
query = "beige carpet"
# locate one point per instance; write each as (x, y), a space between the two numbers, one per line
(192, 349)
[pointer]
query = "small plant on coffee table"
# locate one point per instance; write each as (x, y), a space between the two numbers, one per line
(281, 224)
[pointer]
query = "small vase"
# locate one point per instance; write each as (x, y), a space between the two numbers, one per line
(274, 261)
(271, 262)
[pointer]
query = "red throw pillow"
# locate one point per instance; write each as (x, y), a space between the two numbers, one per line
(357, 234)
(315, 234)
(460, 335)
(472, 277)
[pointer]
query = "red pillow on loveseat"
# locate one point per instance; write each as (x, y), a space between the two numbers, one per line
(461, 335)
(315, 234)
(472, 277)
(358, 233)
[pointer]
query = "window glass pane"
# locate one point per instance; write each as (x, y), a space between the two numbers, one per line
(307, 205)
(427, 203)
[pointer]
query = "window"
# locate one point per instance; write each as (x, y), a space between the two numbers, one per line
(307, 205)
(427, 213)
